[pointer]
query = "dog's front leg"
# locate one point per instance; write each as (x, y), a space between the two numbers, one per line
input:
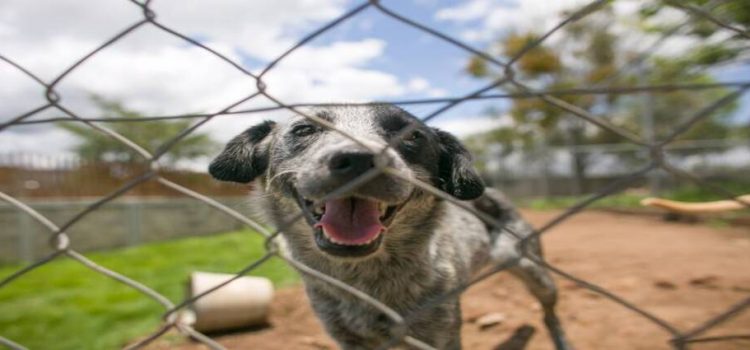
(541, 285)
(440, 326)
(342, 334)
(349, 342)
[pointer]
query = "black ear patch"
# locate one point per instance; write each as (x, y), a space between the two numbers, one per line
(242, 160)
(455, 170)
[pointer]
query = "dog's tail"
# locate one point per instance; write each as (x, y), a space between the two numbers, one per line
(741, 202)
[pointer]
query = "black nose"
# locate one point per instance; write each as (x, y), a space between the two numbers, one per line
(351, 164)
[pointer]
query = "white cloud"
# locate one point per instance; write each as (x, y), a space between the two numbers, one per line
(484, 21)
(497, 16)
(419, 85)
(263, 29)
(470, 10)
(471, 125)
(157, 73)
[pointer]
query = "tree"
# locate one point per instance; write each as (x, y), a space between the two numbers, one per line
(718, 45)
(149, 135)
(545, 67)
(587, 54)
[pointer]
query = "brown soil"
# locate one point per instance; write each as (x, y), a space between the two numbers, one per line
(681, 273)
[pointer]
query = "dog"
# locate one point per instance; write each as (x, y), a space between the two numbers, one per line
(386, 237)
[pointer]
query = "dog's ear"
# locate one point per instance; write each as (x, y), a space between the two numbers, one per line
(243, 159)
(456, 173)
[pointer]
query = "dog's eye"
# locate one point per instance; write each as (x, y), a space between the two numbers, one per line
(414, 136)
(303, 130)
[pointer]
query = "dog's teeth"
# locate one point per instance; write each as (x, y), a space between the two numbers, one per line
(336, 241)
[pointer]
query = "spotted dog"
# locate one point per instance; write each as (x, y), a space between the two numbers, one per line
(386, 237)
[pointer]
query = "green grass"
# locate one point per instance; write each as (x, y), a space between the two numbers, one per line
(64, 305)
(621, 200)
(701, 194)
(628, 200)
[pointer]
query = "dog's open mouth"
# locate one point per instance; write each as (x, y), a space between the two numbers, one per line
(348, 227)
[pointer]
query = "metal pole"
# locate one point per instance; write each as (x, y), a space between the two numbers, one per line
(25, 237)
(647, 126)
(134, 221)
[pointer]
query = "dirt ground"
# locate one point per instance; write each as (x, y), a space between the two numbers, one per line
(682, 273)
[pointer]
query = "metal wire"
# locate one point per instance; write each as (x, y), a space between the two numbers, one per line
(60, 241)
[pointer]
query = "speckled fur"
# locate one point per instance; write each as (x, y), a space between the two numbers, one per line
(431, 247)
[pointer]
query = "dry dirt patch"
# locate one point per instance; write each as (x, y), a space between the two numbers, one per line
(682, 273)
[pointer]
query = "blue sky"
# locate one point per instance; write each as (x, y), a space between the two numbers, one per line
(368, 57)
(413, 53)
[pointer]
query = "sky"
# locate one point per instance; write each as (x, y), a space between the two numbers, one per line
(369, 57)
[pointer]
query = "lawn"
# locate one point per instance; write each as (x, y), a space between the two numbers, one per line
(64, 305)
(626, 200)
(619, 201)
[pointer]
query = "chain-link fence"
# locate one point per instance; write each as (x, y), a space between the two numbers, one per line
(61, 242)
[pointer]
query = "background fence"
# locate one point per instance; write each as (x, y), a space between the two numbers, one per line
(32, 175)
(61, 244)
(129, 222)
(547, 171)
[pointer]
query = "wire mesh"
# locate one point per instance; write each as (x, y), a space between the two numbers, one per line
(60, 241)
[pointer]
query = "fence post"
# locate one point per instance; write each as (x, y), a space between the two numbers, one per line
(647, 125)
(134, 217)
(542, 155)
(25, 237)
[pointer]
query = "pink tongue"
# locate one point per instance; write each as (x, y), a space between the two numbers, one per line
(351, 220)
